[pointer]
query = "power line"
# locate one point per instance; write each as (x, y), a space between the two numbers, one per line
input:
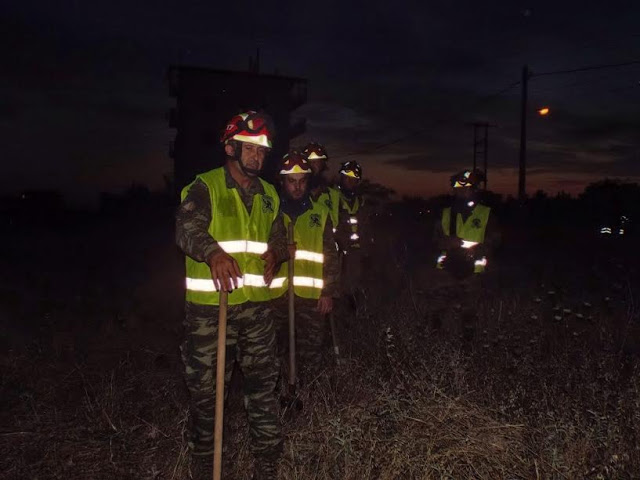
(485, 99)
(504, 90)
(422, 130)
(583, 89)
(585, 69)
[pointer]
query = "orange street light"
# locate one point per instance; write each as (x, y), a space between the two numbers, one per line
(544, 111)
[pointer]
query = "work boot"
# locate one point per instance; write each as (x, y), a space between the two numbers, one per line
(199, 437)
(201, 467)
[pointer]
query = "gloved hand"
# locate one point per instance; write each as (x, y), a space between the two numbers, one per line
(452, 242)
(459, 262)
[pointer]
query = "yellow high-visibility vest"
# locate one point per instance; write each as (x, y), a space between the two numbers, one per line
(331, 200)
(308, 232)
(472, 232)
(243, 235)
(352, 219)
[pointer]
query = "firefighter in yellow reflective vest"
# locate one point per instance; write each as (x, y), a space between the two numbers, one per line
(319, 188)
(464, 235)
(351, 235)
(349, 231)
(230, 228)
(462, 230)
(316, 265)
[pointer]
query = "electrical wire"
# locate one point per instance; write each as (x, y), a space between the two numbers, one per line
(585, 69)
(485, 99)
(439, 120)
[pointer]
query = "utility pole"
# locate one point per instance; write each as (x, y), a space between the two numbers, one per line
(526, 75)
(481, 146)
(522, 177)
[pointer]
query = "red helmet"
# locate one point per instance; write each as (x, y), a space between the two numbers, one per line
(351, 169)
(294, 162)
(315, 151)
(250, 127)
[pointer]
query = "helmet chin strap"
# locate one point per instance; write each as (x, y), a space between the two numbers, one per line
(249, 172)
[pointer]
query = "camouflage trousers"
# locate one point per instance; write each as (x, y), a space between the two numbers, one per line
(354, 294)
(351, 271)
(251, 342)
(312, 332)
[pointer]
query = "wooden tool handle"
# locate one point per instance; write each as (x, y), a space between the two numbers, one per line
(292, 314)
(220, 368)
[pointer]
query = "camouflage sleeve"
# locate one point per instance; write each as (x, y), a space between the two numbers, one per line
(331, 267)
(278, 239)
(192, 224)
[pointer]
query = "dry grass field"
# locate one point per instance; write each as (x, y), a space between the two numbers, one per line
(546, 388)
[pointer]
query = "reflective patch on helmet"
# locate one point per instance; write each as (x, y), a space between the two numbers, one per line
(315, 156)
(260, 140)
(349, 173)
(295, 169)
(459, 184)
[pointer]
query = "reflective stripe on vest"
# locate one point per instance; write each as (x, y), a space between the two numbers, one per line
(308, 233)
(241, 234)
(207, 285)
(298, 281)
(479, 265)
(239, 246)
(311, 256)
(352, 211)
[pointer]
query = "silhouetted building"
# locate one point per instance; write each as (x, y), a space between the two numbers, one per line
(206, 99)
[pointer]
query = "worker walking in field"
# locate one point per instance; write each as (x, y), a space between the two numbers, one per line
(319, 187)
(352, 237)
(230, 228)
(316, 263)
(465, 235)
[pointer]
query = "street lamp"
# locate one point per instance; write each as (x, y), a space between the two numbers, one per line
(543, 111)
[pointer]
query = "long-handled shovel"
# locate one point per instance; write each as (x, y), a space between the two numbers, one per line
(332, 321)
(220, 367)
(334, 338)
(292, 320)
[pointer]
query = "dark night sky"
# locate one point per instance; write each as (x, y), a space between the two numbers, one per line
(83, 95)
